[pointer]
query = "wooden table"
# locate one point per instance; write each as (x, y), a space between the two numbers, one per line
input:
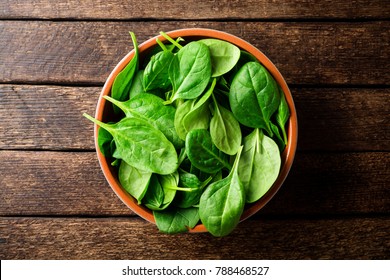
(54, 59)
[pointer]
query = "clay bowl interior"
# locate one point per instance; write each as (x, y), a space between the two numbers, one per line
(104, 113)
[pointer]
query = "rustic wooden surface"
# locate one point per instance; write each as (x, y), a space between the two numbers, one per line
(132, 238)
(54, 59)
(312, 53)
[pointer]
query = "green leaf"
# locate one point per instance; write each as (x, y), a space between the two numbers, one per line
(203, 154)
(133, 180)
(254, 96)
(106, 142)
(188, 199)
(193, 114)
(156, 72)
(159, 48)
(259, 165)
(122, 83)
(154, 196)
(222, 203)
(182, 110)
(137, 87)
(277, 137)
(224, 56)
(174, 220)
(190, 71)
(141, 145)
(225, 130)
(151, 108)
(169, 184)
(244, 58)
(282, 115)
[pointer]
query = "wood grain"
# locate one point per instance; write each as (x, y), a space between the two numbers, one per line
(51, 183)
(330, 119)
(131, 238)
(305, 52)
(205, 9)
(58, 183)
(335, 119)
(46, 117)
(54, 200)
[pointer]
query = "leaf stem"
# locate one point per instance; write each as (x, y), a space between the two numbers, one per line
(176, 44)
(162, 46)
(135, 45)
(168, 102)
(118, 103)
(237, 159)
(180, 189)
(284, 135)
(206, 96)
(269, 130)
(99, 123)
(205, 183)
(215, 100)
(182, 156)
(258, 139)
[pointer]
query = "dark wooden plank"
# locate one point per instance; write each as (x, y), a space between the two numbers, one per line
(334, 183)
(85, 52)
(38, 238)
(223, 9)
(46, 117)
(58, 183)
(50, 183)
(343, 119)
(49, 117)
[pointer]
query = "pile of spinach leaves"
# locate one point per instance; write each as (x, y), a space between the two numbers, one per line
(201, 130)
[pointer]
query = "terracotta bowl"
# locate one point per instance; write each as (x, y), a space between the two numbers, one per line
(104, 113)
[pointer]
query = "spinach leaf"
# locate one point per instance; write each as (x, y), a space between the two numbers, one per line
(106, 142)
(277, 137)
(163, 190)
(223, 85)
(245, 57)
(137, 86)
(254, 96)
(182, 110)
(190, 71)
(154, 196)
(159, 48)
(224, 56)
(193, 114)
(216, 177)
(133, 180)
(182, 155)
(222, 203)
(259, 165)
(169, 184)
(122, 83)
(282, 115)
(156, 72)
(151, 108)
(174, 220)
(188, 199)
(225, 130)
(199, 115)
(141, 145)
(203, 154)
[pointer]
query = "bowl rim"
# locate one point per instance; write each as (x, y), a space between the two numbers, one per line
(292, 134)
